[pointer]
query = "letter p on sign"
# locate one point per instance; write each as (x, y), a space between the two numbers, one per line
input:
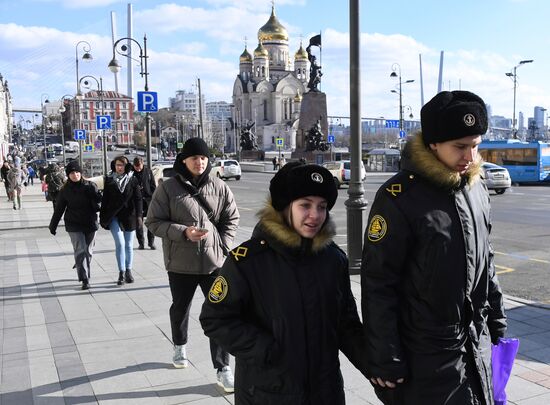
(147, 101)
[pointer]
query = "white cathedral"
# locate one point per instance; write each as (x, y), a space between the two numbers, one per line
(268, 89)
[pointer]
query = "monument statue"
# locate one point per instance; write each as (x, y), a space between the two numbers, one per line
(248, 139)
(314, 138)
(314, 71)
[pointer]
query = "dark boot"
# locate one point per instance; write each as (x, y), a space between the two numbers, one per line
(120, 278)
(128, 276)
(85, 284)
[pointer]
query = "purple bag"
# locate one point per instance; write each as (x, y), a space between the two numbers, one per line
(503, 355)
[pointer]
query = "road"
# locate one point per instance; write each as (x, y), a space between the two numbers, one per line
(520, 234)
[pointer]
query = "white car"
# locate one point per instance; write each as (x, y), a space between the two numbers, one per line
(496, 177)
(341, 171)
(226, 169)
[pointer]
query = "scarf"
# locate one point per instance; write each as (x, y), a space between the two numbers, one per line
(122, 180)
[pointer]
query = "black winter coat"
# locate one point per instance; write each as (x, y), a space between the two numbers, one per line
(146, 182)
(431, 300)
(126, 206)
(80, 203)
(284, 307)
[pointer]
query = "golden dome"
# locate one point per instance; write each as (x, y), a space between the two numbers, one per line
(245, 56)
(273, 29)
(298, 97)
(261, 51)
(300, 54)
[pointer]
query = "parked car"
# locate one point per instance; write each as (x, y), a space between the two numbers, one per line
(496, 177)
(226, 169)
(341, 171)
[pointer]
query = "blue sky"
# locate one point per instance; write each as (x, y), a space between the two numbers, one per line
(482, 41)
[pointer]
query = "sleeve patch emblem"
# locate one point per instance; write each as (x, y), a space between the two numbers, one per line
(241, 251)
(394, 189)
(377, 228)
(218, 291)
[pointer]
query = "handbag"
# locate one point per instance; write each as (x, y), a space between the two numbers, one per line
(503, 355)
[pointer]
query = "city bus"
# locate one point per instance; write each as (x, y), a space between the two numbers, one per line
(526, 162)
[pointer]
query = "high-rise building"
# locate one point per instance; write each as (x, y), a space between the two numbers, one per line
(186, 101)
(218, 115)
(539, 117)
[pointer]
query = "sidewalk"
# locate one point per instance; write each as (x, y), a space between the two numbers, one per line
(111, 345)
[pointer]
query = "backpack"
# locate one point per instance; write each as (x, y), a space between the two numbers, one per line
(54, 181)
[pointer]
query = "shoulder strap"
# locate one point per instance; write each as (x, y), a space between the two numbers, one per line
(191, 189)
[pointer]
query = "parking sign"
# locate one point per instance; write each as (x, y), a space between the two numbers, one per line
(103, 121)
(330, 139)
(79, 134)
(147, 101)
(88, 147)
(279, 142)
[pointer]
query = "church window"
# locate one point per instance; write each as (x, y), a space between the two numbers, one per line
(263, 71)
(265, 110)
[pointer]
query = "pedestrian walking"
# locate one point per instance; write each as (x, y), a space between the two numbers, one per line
(4, 173)
(196, 216)
(147, 185)
(274, 161)
(54, 179)
(78, 202)
(282, 303)
(32, 175)
(431, 299)
(120, 206)
(16, 180)
(282, 161)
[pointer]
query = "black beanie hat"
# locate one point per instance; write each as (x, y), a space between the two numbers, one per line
(195, 146)
(72, 166)
(453, 115)
(296, 180)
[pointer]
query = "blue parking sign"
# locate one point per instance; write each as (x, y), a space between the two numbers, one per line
(330, 139)
(147, 101)
(103, 121)
(79, 134)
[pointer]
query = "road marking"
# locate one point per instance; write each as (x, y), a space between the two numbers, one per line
(504, 269)
(517, 256)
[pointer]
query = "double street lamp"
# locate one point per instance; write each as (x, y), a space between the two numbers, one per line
(396, 73)
(513, 76)
(114, 66)
(86, 57)
(44, 99)
(85, 81)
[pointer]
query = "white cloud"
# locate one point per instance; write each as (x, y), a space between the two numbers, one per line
(77, 4)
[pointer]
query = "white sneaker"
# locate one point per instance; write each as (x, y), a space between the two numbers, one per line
(180, 357)
(226, 380)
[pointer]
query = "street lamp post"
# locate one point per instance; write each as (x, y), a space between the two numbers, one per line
(513, 76)
(87, 56)
(62, 109)
(356, 204)
(396, 72)
(114, 66)
(84, 80)
(44, 100)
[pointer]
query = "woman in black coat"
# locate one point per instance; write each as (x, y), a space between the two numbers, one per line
(282, 303)
(79, 200)
(120, 207)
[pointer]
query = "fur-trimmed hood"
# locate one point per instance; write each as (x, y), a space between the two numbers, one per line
(419, 159)
(273, 224)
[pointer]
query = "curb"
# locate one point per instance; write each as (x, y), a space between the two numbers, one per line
(530, 303)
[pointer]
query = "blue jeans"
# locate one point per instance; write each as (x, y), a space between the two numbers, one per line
(124, 246)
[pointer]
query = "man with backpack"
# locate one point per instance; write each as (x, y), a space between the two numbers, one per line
(55, 178)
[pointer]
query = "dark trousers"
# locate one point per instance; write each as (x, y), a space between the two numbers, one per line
(182, 287)
(139, 233)
(83, 245)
